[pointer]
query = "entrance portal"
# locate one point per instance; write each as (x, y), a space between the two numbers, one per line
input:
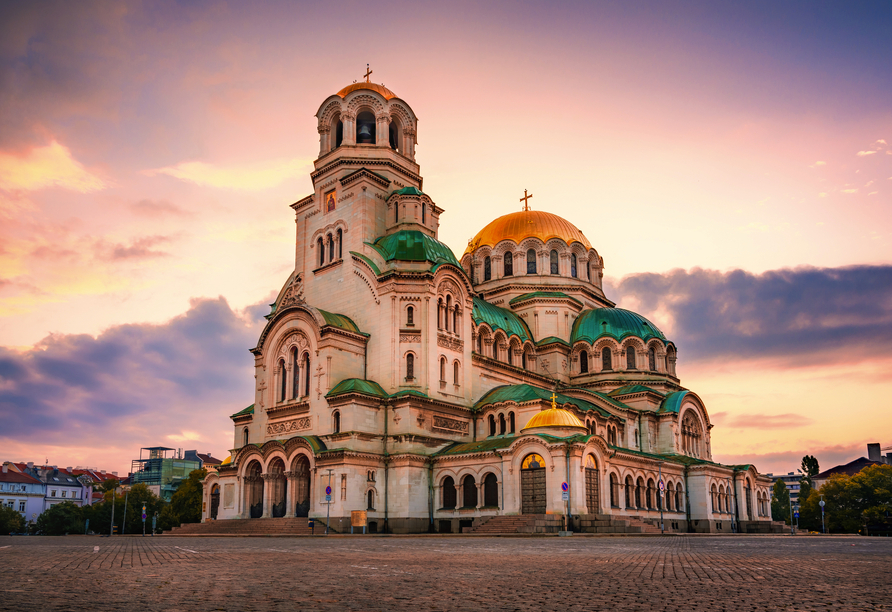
(592, 499)
(215, 501)
(301, 471)
(278, 487)
(532, 485)
(254, 490)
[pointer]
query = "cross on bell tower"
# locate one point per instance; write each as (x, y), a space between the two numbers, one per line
(526, 204)
(368, 73)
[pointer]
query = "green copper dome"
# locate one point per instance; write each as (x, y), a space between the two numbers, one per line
(500, 318)
(412, 245)
(614, 322)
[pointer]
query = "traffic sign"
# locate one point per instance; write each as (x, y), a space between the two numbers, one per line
(662, 486)
(565, 487)
(328, 497)
(328, 490)
(565, 496)
(796, 514)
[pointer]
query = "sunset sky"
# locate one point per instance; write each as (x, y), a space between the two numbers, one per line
(733, 165)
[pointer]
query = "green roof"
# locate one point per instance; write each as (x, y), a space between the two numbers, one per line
(614, 322)
(368, 261)
(500, 318)
(245, 412)
(316, 443)
(552, 340)
(413, 245)
(543, 294)
(405, 392)
(357, 385)
(476, 447)
(527, 393)
(672, 402)
(340, 321)
(629, 389)
(408, 191)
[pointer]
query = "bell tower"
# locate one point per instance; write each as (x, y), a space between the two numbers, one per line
(366, 184)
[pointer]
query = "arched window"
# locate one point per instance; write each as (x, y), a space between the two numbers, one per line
(439, 313)
(449, 493)
(630, 357)
(523, 360)
(638, 490)
(479, 343)
(652, 359)
(410, 367)
(331, 246)
(448, 310)
(606, 359)
(690, 435)
(245, 437)
(491, 491)
(669, 489)
(340, 243)
(396, 212)
(503, 426)
(508, 264)
(629, 487)
(336, 422)
(583, 362)
(410, 316)
(650, 494)
(531, 261)
(365, 128)
(552, 259)
(492, 425)
(321, 247)
(469, 492)
(295, 374)
(339, 133)
(614, 491)
(573, 265)
(370, 497)
(283, 381)
(487, 268)
(455, 373)
(442, 369)
(678, 506)
(510, 422)
(423, 212)
(510, 354)
(455, 318)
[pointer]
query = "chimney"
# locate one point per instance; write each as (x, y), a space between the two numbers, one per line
(30, 465)
(68, 469)
(873, 452)
(114, 473)
(5, 468)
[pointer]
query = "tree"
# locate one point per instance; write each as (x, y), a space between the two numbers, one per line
(780, 502)
(186, 500)
(810, 468)
(61, 519)
(805, 489)
(11, 521)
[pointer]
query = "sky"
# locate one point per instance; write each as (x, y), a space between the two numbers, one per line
(730, 161)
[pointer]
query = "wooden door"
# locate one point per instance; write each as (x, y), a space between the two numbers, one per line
(592, 499)
(532, 484)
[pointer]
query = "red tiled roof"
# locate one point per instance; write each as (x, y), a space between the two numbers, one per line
(208, 459)
(850, 469)
(13, 476)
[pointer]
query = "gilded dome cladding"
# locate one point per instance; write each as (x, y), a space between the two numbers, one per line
(379, 89)
(525, 224)
(554, 417)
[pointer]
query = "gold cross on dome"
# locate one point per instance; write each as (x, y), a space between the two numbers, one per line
(526, 205)
(368, 72)
(553, 398)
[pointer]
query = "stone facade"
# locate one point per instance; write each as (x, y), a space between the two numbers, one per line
(403, 377)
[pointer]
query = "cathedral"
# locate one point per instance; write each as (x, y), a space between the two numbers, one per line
(443, 394)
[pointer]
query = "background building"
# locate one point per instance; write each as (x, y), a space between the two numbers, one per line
(162, 469)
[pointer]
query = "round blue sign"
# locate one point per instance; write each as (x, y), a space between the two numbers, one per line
(328, 490)
(565, 487)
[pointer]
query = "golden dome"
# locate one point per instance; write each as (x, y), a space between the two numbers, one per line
(527, 224)
(227, 461)
(554, 417)
(380, 89)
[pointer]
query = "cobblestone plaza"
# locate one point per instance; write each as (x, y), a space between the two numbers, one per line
(421, 573)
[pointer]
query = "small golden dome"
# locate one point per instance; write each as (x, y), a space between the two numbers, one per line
(527, 224)
(380, 89)
(227, 461)
(554, 417)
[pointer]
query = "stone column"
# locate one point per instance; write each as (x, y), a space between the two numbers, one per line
(349, 121)
(382, 131)
(267, 495)
(290, 481)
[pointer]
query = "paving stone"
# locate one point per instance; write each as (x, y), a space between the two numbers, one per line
(418, 573)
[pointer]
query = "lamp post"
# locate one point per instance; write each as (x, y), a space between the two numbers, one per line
(111, 529)
(821, 503)
(660, 488)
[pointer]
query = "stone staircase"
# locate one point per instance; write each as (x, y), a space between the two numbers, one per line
(249, 527)
(518, 523)
(605, 523)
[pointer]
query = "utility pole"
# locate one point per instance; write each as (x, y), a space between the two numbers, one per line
(111, 529)
(124, 522)
(661, 486)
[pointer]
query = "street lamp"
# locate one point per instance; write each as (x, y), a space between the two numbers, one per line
(821, 503)
(111, 529)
